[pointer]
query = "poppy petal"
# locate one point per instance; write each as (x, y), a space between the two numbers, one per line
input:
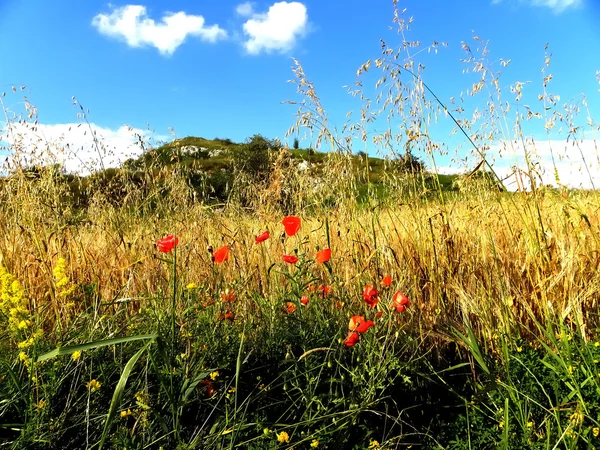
(400, 301)
(371, 296)
(355, 321)
(352, 339)
(168, 243)
(290, 259)
(363, 327)
(291, 225)
(221, 255)
(323, 255)
(262, 237)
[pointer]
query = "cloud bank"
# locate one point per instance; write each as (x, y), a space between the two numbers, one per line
(576, 162)
(132, 24)
(79, 148)
(557, 6)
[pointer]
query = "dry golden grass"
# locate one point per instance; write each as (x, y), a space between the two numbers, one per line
(494, 262)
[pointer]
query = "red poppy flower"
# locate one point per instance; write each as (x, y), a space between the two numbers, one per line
(379, 315)
(355, 321)
(387, 281)
(291, 225)
(291, 259)
(364, 326)
(352, 339)
(290, 307)
(227, 316)
(325, 290)
(311, 288)
(167, 243)
(262, 237)
(323, 255)
(210, 387)
(228, 295)
(371, 296)
(221, 255)
(400, 301)
(304, 300)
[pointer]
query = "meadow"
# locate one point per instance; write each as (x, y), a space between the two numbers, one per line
(301, 309)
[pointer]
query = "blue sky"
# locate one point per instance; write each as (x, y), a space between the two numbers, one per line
(220, 68)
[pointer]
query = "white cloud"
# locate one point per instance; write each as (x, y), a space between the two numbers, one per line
(132, 24)
(78, 147)
(277, 29)
(557, 6)
(577, 163)
(245, 9)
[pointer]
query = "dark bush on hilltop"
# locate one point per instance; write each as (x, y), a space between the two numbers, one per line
(252, 158)
(479, 181)
(252, 167)
(409, 163)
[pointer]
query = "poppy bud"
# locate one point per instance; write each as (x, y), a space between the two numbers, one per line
(209, 249)
(283, 237)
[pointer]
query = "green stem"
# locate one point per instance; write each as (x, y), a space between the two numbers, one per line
(174, 346)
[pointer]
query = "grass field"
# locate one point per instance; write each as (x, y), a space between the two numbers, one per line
(235, 301)
(495, 346)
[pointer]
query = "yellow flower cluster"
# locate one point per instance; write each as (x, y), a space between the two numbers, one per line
(15, 308)
(63, 284)
(283, 437)
(93, 385)
(13, 303)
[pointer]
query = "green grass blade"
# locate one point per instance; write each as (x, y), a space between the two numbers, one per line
(473, 346)
(93, 345)
(117, 395)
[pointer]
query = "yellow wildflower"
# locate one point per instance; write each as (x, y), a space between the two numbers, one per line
(24, 357)
(374, 444)
(13, 304)
(75, 355)
(142, 400)
(283, 437)
(576, 418)
(191, 286)
(126, 413)
(59, 271)
(213, 376)
(93, 385)
(61, 279)
(314, 443)
(595, 431)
